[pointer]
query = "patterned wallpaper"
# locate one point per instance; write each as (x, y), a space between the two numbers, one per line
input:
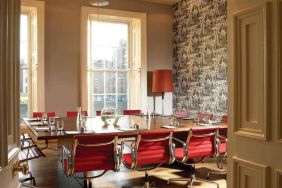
(200, 56)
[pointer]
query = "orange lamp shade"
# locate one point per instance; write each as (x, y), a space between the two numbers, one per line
(162, 81)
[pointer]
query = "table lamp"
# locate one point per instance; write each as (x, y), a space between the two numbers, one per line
(161, 83)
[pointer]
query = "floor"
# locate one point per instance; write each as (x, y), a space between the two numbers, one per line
(49, 174)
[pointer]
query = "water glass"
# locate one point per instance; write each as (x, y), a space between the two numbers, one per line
(52, 121)
(44, 118)
(60, 125)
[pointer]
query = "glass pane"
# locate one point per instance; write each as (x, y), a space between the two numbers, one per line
(122, 57)
(98, 82)
(122, 82)
(110, 82)
(24, 40)
(122, 102)
(110, 101)
(23, 93)
(24, 72)
(109, 44)
(98, 102)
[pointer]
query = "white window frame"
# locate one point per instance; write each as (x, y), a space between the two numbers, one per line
(36, 9)
(137, 24)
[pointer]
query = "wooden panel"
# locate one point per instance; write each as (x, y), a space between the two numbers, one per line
(250, 57)
(9, 79)
(280, 69)
(249, 175)
(279, 178)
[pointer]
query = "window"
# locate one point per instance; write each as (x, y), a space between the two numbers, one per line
(31, 58)
(108, 66)
(111, 63)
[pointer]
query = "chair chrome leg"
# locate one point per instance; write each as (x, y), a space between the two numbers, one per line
(220, 162)
(90, 184)
(85, 183)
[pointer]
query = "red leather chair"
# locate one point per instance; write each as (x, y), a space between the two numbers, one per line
(181, 114)
(200, 144)
(204, 116)
(98, 113)
(74, 113)
(224, 119)
(131, 112)
(91, 153)
(222, 149)
(39, 114)
(149, 150)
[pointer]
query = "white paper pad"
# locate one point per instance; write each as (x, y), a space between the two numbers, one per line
(168, 127)
(36, 123)
(42, 129)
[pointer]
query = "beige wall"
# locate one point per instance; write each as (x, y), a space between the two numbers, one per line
(62, 46)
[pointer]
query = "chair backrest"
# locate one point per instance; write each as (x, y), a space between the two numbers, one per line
(39, 114)
(224, 119)
(131, 112)
(202, 143)
(204, 116)
(154, 147)
(181, 113)
(74, 113)
(95, 152)
(98, 113)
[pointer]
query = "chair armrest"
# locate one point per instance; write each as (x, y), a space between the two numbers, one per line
(185, 150)
(67, 161)
(222, 139)
(128, 143)
(118, 158)
(132, 152)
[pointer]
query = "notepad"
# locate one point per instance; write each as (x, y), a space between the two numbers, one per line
(44, 129)
(168, 127)
(72, 132)
(187, 118)
(36, 123)
(32, 119)
(78, 132)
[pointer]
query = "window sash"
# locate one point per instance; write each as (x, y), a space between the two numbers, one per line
(137, 54)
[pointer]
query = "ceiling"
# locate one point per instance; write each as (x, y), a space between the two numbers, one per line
(165, 2)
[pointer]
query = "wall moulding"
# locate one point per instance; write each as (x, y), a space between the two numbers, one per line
(249, 175)
(278, 178)
(280, 70)
(251, 72)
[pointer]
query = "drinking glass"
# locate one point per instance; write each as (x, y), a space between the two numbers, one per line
(44, 118)
(52, 123)
(60, 125)
(109, 116)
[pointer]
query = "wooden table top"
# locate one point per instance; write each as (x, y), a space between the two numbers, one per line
(95, 125)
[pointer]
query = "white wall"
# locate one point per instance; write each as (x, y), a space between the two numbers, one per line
(62, 47)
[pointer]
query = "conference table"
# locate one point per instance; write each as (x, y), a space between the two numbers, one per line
(124, 127)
